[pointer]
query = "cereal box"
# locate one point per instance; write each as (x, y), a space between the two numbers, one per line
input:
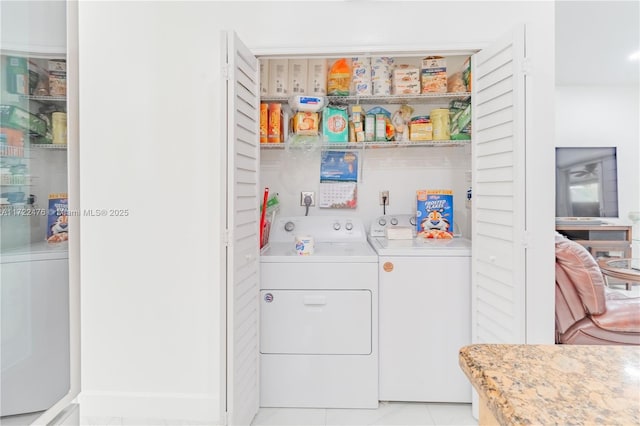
(434, 214)
(57, 219)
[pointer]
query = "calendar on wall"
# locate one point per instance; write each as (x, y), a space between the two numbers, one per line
(338, 180)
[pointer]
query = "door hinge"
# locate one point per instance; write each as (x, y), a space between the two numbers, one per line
(227, 237)
(526, 239)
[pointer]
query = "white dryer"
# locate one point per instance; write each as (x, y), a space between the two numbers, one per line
(319, 316)
(425, 314)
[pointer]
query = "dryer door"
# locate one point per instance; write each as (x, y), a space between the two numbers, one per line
(316, 322)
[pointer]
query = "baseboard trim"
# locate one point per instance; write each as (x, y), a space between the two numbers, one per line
(204, 408)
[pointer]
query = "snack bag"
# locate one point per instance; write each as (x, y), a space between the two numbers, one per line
(339, 78)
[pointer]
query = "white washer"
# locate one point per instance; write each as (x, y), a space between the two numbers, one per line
(425, 314)
(319, 316)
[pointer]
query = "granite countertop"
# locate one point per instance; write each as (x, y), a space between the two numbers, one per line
(556, 384)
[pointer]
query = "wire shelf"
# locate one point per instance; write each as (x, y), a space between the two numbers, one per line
(389, 99)
(370, 145)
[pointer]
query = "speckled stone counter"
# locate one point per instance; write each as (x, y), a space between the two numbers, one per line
(555, 384)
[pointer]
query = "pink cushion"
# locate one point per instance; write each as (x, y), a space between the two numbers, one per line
(623, 315)
(584, 273)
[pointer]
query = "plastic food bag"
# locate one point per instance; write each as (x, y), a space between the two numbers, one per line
(339, 78)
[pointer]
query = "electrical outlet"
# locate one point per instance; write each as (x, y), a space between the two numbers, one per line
(305, 194)
(384, 201)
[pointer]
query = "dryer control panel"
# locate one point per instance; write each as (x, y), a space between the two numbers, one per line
(381, 223)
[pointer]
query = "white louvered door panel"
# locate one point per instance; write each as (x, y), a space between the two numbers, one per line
(243, 162)
(498, 269)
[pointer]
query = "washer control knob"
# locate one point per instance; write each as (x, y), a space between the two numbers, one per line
(382, 221)
(336, 226)
(394, 221)
(412, 221)
(348, 226)
(289, 226)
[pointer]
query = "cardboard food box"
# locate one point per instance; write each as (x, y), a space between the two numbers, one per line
(406, 88)
(317, 77)
(278, 77)
(57, 78)
(405, 73)
(264, 77)
(13, 116)
(274, 124)
(264, 122)
(306, 123)
(297, 83)
(433, 75)
(57, 219)
(434, 213)
(421, 131)
(17, 75)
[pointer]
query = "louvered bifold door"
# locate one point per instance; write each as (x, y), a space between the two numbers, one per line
(242, 73)
(498, 267)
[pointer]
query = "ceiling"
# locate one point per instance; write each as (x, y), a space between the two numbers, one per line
(594, 40)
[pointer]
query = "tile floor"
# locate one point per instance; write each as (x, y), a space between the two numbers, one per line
(388, 414)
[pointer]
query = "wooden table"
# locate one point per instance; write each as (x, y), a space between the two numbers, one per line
(555, 384)
(626, 270)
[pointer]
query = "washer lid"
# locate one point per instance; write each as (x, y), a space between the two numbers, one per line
(322, 252)
(420, 246)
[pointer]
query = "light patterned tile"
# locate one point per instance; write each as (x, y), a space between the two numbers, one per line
(451, 414)
(290, 417)
(100, 421)
(173, 422)
(388, 414)
(134, 421)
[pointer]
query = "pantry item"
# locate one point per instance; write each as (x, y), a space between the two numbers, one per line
(421, 128)
(264, 77)
(317, 77)
(264, 122)
(274, 133)
(57, 219)
(405, 80)
(57, 78)
(434, 213)
(278, 77)
(17, 80)
(14, 116)
(304, 245)
(339, 78)
(369, 127)
(381, 75)
(440, 120)
(335, 124)
(400, 120)
(306, 123)
(361, 77)
(307, 103)
(297, 83)
(59, 127)
(433, 74)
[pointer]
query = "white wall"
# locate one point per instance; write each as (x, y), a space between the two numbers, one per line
(149, 143)
(605, 116)
(31, 26)
(150, 127)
